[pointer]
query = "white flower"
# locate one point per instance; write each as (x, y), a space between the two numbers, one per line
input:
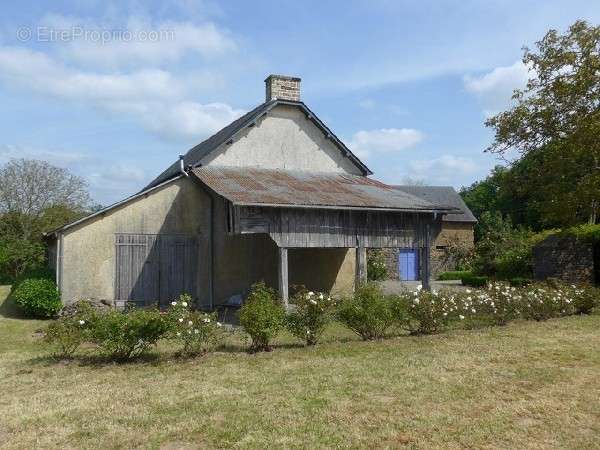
(190, 323)
(206, 320)
(419, 287)
(184, 303)
(461, 317)
(307, 331)
(219, 324)
(311, 293)
(314, 302)
(181, 319)
(473, 310)
(196, 331)
(320, 296)
(468, 291)
(178, 333)
(173, 303)
(82, 322)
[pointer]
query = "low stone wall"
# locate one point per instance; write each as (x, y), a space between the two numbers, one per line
(566, 258)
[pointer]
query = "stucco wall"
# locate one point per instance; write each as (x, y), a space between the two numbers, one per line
(327, 270)
(88, 250)
(284, 139)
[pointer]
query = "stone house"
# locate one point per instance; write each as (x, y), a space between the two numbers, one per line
(456, 230)
(273, 196)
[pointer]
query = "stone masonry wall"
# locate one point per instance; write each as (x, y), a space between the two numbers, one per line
(451, 233)
(566, 258)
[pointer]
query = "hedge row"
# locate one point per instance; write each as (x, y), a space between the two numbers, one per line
(122, 335)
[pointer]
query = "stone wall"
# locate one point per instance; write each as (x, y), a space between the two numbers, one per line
(451, 233)
(566, 258)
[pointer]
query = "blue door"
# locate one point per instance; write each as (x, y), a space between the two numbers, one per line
(408, 264)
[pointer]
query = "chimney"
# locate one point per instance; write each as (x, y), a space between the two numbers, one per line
(283, 87)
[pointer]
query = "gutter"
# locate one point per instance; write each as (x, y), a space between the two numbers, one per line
(351, 208)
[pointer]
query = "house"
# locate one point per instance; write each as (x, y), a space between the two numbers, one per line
(456, 230)
(273, 196)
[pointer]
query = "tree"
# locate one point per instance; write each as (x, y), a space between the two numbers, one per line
(31, 191)
(555, 125)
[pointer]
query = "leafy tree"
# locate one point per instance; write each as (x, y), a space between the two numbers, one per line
(555, 125)
(30, 188)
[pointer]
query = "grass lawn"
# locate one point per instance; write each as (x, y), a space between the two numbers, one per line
(526, 385)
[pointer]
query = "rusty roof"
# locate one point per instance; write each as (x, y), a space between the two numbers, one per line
(265, 187)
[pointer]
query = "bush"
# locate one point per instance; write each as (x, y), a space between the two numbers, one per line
(519, 282)
(427, 311)
(368, 312)
(585, 299)
(66, 334)
(312, 314)
(197, 332)
(38, 297)
(474, 280)
(124, 335)
(262, 316)
(453, 275)
(376, 266)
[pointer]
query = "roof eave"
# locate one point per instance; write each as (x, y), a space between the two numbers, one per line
(363, 208)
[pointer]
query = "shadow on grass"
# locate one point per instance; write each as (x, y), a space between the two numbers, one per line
(9, 308)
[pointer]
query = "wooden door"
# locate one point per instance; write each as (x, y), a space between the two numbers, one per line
(155, 268)
(408, 264)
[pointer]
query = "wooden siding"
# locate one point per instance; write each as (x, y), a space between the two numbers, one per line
(291, 227)
(154, 268)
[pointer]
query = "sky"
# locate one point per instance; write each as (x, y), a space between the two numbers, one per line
(114, 91)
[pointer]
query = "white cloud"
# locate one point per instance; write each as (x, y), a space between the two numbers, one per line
(495, 88)
(155, 98)
(444, 169)
(385, 140)
(55, 157)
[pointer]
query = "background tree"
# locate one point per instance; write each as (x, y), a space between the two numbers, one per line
(34, 197)
(555, 126)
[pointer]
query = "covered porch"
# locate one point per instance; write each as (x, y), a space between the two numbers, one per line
(315, 219)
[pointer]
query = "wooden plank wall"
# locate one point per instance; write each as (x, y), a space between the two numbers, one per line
(321, 228)
(152, 268)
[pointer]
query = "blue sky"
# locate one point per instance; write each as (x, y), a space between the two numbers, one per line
(406, 84)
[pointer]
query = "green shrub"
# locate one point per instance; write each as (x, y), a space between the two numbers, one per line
(262, 316)
(313, 311)
(585, 299)
(368, 312)
(502, 302)
(376, 266)
(122, 335)
(428, 311)
(38, 297)
(543, 303)
(474, 280)
(195, 331)
(519, 282)
(454, 275)
(65, 335)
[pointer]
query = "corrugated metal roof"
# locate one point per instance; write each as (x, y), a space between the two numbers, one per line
(445, 195)
(253, 186)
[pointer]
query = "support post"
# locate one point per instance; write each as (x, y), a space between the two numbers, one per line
(283, 276)
(426, 262)
(361, 266)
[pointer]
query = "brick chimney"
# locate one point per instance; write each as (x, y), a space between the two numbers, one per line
(283, 87)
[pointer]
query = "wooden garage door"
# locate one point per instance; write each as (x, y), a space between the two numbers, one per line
(154, 268)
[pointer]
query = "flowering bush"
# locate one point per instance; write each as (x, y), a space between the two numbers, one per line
(66, 334)
(197, 332)
(123, 335)
(425, 312)
(368, 312)
(262, 316)
(312, 314)
(376, 266)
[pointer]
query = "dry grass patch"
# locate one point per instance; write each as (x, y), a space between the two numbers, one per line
(527, 385)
